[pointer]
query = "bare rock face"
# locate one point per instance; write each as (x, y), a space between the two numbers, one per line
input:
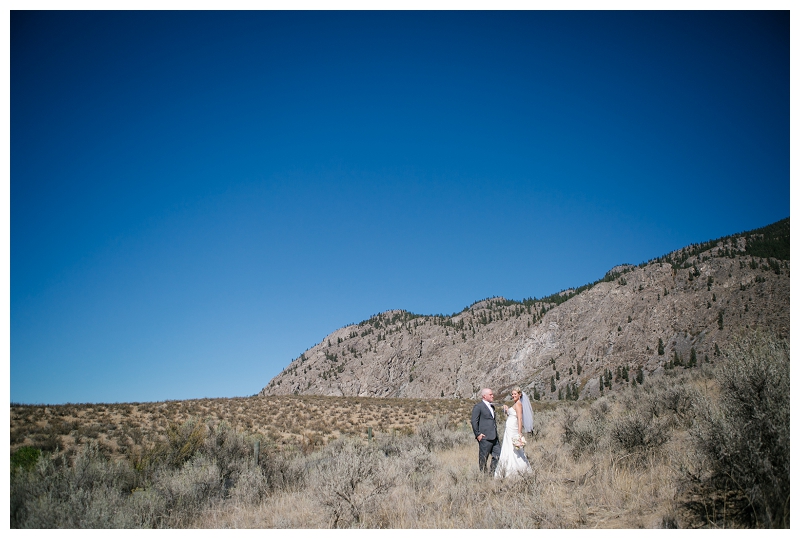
(675, 311)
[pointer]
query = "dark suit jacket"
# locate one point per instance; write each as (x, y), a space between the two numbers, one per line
(483, 422)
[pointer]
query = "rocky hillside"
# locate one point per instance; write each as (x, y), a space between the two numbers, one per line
(671, 312)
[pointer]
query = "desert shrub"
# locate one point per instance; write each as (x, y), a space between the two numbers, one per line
(188, 490)
(539, 419)
(437, 433)
(233, 453)
(169, 485)
(584, 435)
(678, 399)
(90, 493)
(66, 427)
(230, 449)
(745, 435)
(567, 420)
(600, 409)
(91, 467)
(17, 436)
(530, 483)
(350, 477)
(182, 442)
(639, 432)
(226, 443)
(672, 398)
(250, 488)
(393, 446)
(433, 434)
(587, 436)
(464, 489)
(417, 466)
(185, 441)
(48, 442)
(25, 458)
(145, 509)
(282, 470)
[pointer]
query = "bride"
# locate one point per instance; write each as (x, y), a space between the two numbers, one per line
(520, 419)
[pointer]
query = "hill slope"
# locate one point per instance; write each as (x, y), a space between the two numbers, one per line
(693, 300)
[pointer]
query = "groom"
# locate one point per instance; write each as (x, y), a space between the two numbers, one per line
(485, 429)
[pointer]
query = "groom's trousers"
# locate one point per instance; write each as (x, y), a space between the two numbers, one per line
(485, 448)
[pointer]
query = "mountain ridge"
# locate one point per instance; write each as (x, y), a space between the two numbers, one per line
(570, 344)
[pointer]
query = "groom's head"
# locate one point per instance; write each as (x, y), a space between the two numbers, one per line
(487, 395)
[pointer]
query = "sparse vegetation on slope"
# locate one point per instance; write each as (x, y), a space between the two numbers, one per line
(684, 304)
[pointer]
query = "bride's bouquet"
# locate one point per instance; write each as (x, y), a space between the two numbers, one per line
(518, 441)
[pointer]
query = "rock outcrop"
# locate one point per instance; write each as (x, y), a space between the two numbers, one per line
(678, 310)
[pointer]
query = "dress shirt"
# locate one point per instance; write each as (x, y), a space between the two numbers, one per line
(489, 404)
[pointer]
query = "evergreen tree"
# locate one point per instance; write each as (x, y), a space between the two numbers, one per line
(552, 384)
(660, 347)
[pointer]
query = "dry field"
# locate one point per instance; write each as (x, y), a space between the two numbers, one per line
(286, 422)
(700, 447)
(445, 490)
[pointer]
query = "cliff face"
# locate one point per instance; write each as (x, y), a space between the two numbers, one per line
(694, 300)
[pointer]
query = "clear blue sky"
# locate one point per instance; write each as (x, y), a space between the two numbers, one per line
(199, 197)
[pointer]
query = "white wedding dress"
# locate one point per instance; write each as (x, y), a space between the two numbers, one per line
(512, 460)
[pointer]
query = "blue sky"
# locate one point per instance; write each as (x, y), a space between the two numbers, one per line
(199, 197)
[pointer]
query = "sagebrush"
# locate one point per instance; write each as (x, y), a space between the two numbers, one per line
(706, 447)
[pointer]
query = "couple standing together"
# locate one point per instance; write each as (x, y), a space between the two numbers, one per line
(509, 457)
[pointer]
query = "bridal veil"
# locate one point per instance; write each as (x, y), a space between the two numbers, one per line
(527, 413)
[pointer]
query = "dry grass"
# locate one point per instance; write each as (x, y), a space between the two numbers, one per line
(604, 490)
(636, 458)
(601, 487)
(289, 422)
